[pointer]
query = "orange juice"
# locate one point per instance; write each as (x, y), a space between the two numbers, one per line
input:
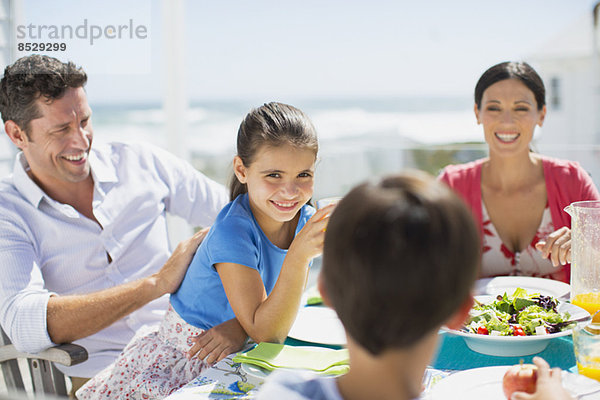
(592, 371)
(589, 302)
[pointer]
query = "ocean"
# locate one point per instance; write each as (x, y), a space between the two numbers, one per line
(359, 138)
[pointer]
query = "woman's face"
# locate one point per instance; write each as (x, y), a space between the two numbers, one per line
(509, 114)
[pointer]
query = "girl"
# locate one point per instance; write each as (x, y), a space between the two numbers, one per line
(248, 274)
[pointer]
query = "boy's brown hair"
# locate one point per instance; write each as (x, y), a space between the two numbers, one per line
(400, 258)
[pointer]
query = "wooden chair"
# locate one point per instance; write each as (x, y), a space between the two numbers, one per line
(45, 377)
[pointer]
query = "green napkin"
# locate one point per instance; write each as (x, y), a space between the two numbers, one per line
(313, 296)
(320, 360)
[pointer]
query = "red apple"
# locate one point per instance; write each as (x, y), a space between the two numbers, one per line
(519, 378)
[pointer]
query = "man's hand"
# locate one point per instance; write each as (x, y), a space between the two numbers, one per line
(218, 342)
(171, 274)
(74, 317)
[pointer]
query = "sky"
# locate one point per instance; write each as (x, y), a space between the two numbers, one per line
(302, 49)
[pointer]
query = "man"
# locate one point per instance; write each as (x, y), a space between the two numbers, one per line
(84, 253)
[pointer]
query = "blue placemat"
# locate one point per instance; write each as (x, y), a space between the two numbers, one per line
(454, 354)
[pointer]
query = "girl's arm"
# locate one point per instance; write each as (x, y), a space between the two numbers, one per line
(269, 318)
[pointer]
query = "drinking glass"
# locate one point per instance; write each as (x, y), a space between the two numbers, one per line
(585, 254)
(586, 343)
(327, 201)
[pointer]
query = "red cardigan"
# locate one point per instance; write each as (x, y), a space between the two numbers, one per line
(566, 182)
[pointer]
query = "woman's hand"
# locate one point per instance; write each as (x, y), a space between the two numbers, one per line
(549, 384)
(308, 243)
(218, 342)
(557, 246)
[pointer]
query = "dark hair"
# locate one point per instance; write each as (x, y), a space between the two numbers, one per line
(273, 124)
(400, 257)
(30, 78)
(512, 70)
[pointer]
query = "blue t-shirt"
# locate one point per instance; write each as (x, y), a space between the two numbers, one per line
(235, 237)
(302, 385)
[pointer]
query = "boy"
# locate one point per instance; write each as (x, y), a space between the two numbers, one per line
(399, 262)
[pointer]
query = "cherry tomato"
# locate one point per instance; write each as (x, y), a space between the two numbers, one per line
(482, 330)
(518, 331)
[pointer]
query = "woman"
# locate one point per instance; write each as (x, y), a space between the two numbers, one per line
(516, 195)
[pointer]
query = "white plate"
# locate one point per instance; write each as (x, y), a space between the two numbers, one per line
(508, 284)
(318, 324)
(510, 346)
(486, 383)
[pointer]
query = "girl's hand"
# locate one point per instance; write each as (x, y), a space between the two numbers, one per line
(308, 243)
(557, 246)
(218, 342)
(549, 384)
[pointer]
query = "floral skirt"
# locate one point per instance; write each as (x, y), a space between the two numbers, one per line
(152, 366)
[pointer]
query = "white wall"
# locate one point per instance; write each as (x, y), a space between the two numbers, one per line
(571, 132)
(572, 123)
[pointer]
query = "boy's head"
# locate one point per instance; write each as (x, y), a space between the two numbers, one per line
(400, 259)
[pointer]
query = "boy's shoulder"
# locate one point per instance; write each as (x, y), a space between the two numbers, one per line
(299, 386)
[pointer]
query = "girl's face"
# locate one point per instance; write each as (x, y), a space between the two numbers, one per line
(280, 181)
(509, 114)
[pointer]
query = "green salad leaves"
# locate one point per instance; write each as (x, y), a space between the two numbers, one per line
(520, 314)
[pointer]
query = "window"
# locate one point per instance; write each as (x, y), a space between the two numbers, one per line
(555, 97)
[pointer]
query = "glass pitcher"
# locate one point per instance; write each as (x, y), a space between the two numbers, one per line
(585, 255)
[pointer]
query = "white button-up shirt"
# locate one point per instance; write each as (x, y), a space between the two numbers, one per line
(47, 247)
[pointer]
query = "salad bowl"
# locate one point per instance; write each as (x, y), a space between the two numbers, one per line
(511, 346)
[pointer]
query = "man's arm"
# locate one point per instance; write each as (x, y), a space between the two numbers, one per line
(192, 196)
(76, 316)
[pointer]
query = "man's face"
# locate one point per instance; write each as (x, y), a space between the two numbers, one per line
(59, 142)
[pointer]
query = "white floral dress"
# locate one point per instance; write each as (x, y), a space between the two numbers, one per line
(152, 365)
(499, 260)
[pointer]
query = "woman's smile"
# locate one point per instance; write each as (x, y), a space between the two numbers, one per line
(507, 137)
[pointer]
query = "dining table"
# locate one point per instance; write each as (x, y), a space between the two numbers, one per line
(228, 379)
